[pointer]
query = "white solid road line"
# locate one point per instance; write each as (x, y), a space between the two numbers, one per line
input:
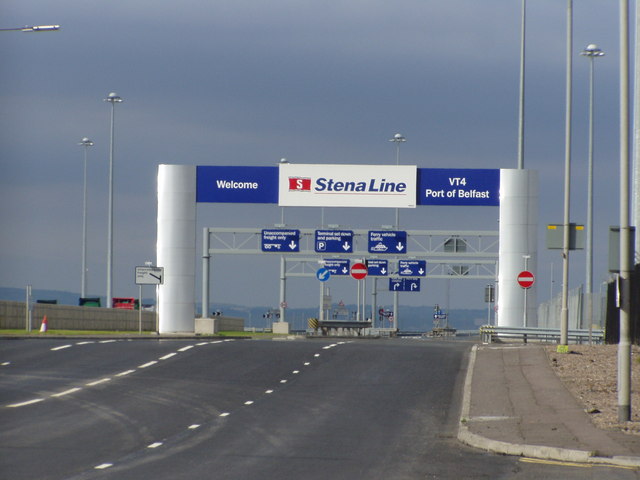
(61, 347)
(98, 382)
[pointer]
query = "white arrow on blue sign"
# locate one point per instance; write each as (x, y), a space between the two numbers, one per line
(323, 274)
(404, 284)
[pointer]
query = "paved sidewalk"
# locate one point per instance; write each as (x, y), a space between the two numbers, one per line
(515, 404)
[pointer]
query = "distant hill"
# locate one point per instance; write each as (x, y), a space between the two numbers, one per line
(418, 319)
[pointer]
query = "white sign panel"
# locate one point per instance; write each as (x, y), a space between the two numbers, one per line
(316, 185)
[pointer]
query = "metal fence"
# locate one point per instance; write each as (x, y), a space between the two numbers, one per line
(549, 312)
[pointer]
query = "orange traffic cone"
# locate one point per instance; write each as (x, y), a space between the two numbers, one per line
(43, 327)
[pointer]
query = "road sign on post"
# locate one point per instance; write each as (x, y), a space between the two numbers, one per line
(359, 271)
(526, 279)
(149, 275)
(323, 274)
(404, 284)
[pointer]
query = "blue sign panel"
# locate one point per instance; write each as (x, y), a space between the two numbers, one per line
(334, 241)
(281, 241)
(337, 266)
(386, 241)
(377, 267)
(404, 284)
(412, 268)
(236, 184)
(462, 186)
(323, 274)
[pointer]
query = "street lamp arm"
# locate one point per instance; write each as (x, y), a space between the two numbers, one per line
(32, 28)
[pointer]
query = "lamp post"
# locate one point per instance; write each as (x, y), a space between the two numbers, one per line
(521, 100)
(32, 28)
(112, 98)
(398, 138)
(86, 143)
(591, 52)
(564, 311)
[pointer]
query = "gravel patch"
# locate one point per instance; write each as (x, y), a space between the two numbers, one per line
(590, 373)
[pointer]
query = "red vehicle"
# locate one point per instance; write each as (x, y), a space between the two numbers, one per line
(125, 303)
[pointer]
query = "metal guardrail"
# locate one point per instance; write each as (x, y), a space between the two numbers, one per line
(490, 334)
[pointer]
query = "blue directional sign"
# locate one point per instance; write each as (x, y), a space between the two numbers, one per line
(337, 266)
(387, 241)
(334, 241)
(412, 268)
(323, 274)
(458, 186)
(404, 284)
(281, 240)
(378, 267)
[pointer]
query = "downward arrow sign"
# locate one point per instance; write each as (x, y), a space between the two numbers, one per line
(400, 246)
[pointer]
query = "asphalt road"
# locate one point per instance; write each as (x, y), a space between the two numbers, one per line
(243, 409)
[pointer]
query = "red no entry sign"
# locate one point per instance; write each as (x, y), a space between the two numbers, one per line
(359, 271)
(526, 279)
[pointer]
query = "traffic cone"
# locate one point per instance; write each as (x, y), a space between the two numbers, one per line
(43, 327)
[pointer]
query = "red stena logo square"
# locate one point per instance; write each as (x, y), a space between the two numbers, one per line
(299, 184)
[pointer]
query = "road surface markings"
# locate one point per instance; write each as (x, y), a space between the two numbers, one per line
(574, 464)
(107, 341)
(306, 364)
(102, 466)
(67, 392)
(148, 364)
(194, 426)
(295, 372)
(249, 402)
(126, 372)
(268, 391)
(85, 343)
(168, 356)
(184, 349)
(28, 402)
(98, 382)
(317, 355)
(283, 381)
(4, 364)
(201, 343)
(155, 445)
(224, 414)
(61, 347)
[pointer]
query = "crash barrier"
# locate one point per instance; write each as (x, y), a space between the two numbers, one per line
(491, 334)
(338, 328)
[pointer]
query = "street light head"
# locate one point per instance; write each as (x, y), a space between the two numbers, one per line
(284, 160)
(592, 50)
(398, 137)
(85, 142)
(113, 98)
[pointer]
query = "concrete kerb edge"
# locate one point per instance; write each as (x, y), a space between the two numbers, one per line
(532, 451)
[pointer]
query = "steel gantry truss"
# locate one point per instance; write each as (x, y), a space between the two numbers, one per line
(471, 254)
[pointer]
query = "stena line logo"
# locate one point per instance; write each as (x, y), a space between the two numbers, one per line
(324, 185)
(299, 184)
(331, 185)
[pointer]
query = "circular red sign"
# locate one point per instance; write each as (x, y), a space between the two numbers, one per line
(526, 279)
(359, 271)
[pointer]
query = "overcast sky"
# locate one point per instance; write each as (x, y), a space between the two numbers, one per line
(247, 82)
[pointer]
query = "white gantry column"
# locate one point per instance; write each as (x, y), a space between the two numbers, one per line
(518, 247)
(176, 247)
